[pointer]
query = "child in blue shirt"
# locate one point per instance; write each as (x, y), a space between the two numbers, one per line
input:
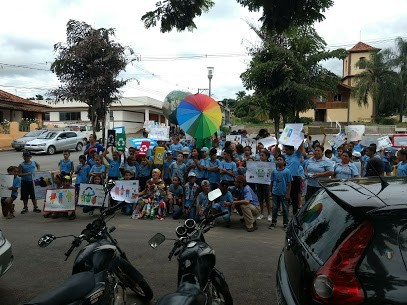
(25, 170)
(66, 166)
(280, 188)
(166, 167)
(98, 169)
(82, 171)
(7, 205)
(220, 206)
(114, 165)
(144, 172)
(175, 195)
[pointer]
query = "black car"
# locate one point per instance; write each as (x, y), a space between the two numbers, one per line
(348, 245)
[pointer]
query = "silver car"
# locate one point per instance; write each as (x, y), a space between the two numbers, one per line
(6, 255)
(54, 141)
(18, 144)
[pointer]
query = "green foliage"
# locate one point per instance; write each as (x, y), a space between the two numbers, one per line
(278, 15)
(304, 120)
(88, 66)
(387, 121)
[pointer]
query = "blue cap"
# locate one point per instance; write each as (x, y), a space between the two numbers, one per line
(169, 152)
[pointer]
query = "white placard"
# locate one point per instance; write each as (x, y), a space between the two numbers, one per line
(383, 142)
(159, 133)
(269, 141)
(42, 181)
(259, 171)
(368, 140)
(354, 132)
(250, 142)
(92, 195)
(125, 190)
(292, 135)
(400, 141)
(338, 140)
(234, 138)
(6, 181)
(59, 200)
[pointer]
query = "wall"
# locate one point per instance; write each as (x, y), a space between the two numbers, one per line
(360, 113)
(6, 139)
(340, 115)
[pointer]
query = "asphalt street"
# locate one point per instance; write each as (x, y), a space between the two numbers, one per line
(248, 260)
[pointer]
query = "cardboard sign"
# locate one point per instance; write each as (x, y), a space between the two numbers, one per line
(125, 190)
(6, 181)
(92, 195)
(111, 137)
(121, 141)
(159, 133)
(143, 150)
(354, 132)
(338, 140)
(234, 138)
(399, 141)
(383, 142)
(292, 135)
(259, 172)
(267, 142)
(59, 200)
(41, 181)
(159, 155)
(250, 142)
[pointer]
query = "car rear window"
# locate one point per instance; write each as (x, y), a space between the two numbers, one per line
(325, 224)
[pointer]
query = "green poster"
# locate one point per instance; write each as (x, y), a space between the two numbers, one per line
(120, 141)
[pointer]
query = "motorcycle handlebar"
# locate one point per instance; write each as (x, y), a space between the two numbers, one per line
(76, 242)
(176, 245)
(212, 218)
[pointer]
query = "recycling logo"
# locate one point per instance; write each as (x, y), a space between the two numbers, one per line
(120, 142)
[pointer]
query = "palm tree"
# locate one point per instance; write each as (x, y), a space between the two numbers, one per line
(400, 62)
(376, 78)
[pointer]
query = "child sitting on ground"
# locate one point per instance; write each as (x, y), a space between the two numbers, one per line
(7, 205)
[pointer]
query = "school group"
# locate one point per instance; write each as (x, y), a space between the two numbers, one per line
(180, 185)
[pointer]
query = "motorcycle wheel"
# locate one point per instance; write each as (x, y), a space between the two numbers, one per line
(133, 279)
(220, 294)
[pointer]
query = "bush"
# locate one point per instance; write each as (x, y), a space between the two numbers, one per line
(305, 120)
(387, 121)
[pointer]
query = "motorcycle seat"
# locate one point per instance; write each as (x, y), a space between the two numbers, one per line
(74, 289)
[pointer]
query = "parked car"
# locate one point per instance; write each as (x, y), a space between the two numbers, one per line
(18, 144)
(347, 245)
(86, 131)
(54, 141)
(6, 254)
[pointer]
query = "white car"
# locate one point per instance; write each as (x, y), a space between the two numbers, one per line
(6, 254)
(86, 131)
(54, 141)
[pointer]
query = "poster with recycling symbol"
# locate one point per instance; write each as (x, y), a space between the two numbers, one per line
(121, 141)
(111, 137)
(92, 195)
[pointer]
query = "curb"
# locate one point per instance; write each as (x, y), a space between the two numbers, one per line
(6, 148)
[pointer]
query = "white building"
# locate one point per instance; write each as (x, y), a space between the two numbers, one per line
(130, 112)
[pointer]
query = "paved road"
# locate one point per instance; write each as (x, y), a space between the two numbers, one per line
(248, 260)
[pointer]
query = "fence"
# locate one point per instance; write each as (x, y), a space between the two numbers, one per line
(12, 131)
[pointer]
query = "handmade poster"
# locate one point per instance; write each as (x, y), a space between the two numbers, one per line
(111, 137)
(338, 140)
(250, 142)
(143, 150)
(6, 181)
(292, 135)
(159, 155)
(120, 141)
(42, 181)
(234, 138)
(383, 142)
(59, 200)
(159, 133)
(259, 172)
(269, 141)
(399, 141)
(148, 124)
(354, 132)
(92, 195)
(368, 140)
(125, 190)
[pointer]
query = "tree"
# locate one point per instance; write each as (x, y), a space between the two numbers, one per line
(400, 62)
(88, 66)
(377, 81)
(278, 15)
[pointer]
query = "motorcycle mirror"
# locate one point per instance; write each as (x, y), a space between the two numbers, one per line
(45, 240)
(110, 185)
(212, 195)
(156, 240)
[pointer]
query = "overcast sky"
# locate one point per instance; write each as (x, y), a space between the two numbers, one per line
(176, 60)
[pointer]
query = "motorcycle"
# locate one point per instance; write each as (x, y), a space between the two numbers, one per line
(199, 282)
(101, 270)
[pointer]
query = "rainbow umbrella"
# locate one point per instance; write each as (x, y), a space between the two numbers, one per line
(199, 115)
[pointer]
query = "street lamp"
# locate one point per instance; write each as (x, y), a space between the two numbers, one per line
(210, 75)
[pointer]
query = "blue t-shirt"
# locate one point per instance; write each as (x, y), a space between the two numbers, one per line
(402, 169)
(190, 194)
(132, 168)
(82, 173)
(16, 184)
(99, 148)
(98, 169)
(114, 167)
(166, 170)
(176, 191)
(213, 176)
(201, 173)
(28, 168)
(203, 200)
(246, 194)
(227, 197)
(229, 166)
(174, 148)
(345, 171)
(178, 170)
(318, 166)
(65, 166)
(280, 179)
(292, 162)
(144, 170)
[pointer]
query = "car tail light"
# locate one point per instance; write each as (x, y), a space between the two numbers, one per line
(336, 281)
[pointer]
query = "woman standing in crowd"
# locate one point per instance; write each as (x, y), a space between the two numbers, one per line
(263, 190)
(345, 169)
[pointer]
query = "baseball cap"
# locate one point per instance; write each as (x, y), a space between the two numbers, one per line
(191, 174)
(26, 154)
(356, 154)
(205, 182)
(205, 149)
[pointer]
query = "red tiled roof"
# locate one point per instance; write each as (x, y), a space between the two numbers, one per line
(14, 102)
(362, 47)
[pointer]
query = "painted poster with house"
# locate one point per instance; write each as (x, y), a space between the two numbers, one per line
(234, 138)
(92, 195)
(59, 200)
(292, 135)
(259, 172)
(159, 133)
(383, 142)
(354, 132)
(42, 181)
(125, 190)
(6, 181)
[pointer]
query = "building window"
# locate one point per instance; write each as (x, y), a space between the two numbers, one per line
(321, 99)
(69, 116)
(1, 116)
(45, 116)
(338, 98)
(362, 63)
